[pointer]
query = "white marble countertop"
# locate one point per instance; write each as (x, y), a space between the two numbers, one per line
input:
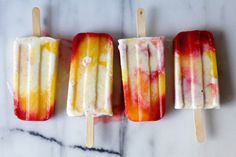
(170, 137)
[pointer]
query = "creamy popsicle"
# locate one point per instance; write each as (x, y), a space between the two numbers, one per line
(35, 72)
(143, 74)
(91, 75)
(196, 78)
(143, 77)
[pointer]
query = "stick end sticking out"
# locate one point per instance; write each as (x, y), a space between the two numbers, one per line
(199, 129)
(36, 21)
(89, 131)
(140, 23)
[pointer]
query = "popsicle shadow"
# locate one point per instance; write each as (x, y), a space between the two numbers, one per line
(224, 69)
(169, 63)
(63, 62)
(117, 97)
(225, 80)
(151, 22)
(48, 21)
(63, 75)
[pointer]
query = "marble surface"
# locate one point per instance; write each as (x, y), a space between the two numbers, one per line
(170, 137)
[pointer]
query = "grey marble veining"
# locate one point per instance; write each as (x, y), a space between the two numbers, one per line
(170, 137)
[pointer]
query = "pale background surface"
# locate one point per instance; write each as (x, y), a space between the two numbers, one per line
(173, 135)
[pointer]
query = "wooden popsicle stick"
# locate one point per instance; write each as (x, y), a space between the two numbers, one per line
(36, 22)
(199, 129)
(89, 131)
(140, 23)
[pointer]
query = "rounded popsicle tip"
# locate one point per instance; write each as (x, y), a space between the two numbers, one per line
(200, 139)
(36, 9)
(89, 145)
(140, 11)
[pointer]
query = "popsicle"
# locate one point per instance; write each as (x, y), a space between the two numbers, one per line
(196, 78)
(143, 74)
(35, 72)
(91, 77)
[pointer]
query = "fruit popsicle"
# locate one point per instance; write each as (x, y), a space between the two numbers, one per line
(143, 74)
(35, 72)
(143, 77)
(196, 78)
(91, 75)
